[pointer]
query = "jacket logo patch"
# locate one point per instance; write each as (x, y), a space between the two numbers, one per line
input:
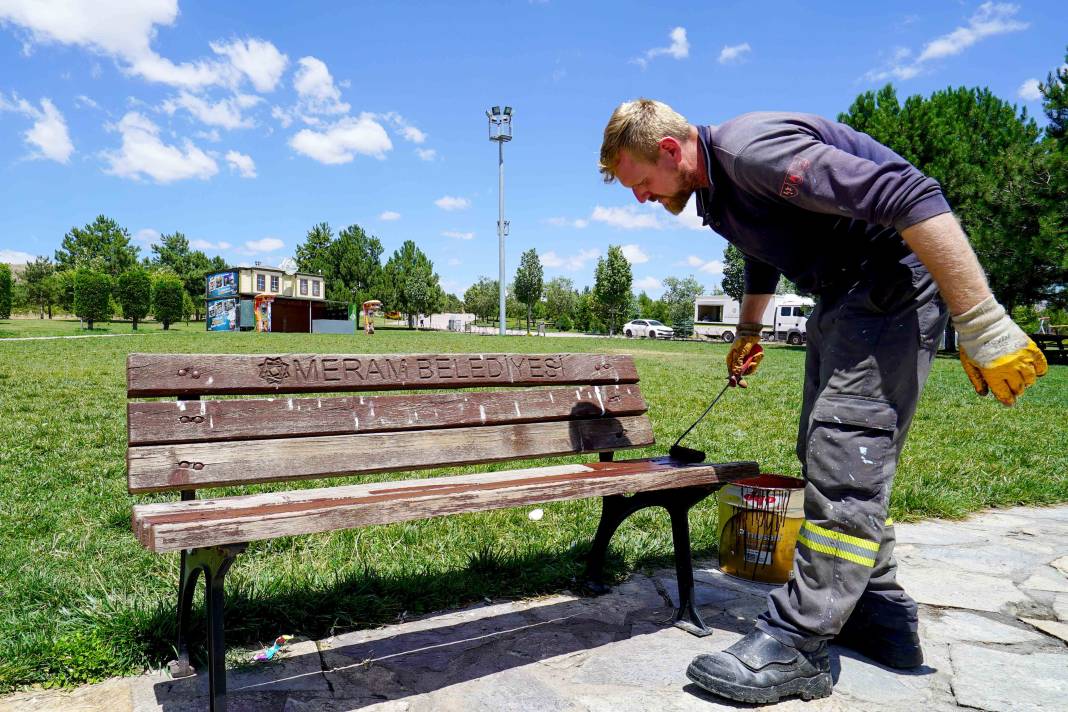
(795, 177)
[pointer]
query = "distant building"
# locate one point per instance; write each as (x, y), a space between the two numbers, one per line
(286, 301)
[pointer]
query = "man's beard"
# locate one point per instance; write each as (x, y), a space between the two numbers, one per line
(676, 202)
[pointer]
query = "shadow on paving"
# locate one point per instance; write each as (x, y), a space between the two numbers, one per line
(368, 667)
(365, 599)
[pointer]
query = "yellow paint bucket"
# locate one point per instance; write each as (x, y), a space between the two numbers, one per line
(759, 519)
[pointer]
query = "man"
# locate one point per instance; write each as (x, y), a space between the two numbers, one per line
(847, 219)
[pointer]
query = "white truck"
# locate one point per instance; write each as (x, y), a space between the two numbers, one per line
(716, 317)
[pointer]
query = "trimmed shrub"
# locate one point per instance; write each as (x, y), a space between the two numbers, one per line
(92, 296)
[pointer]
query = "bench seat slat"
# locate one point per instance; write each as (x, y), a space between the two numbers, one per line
(207, 374)
(180, 525)
(157, 422)
(154, 468)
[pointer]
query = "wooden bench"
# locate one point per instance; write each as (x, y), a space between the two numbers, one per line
(1053, 346)
(588, 403)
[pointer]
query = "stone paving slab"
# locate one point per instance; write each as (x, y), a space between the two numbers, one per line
(993, 617)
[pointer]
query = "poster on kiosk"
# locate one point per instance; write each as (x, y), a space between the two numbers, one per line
(222, 315)
(222, 284)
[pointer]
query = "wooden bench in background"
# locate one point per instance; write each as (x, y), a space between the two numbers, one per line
(587, 403)
(1053, 346)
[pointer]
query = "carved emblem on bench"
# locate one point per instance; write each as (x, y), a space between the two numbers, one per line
(274, 370)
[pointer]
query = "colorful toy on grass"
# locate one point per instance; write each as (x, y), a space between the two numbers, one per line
(270, 652)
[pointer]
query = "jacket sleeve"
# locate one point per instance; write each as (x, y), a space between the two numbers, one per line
(760, 277)
(792, 165)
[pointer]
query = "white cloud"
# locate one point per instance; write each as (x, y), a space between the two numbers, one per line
(342, 141)
(989, 20)
(648, 284)
(413, 134)
(707, 266)
(627, 218)
(571, 263)
(315, 85)
(634, 254)
(577, 223)
(15, 257)
(147, 235)
(226, 113)
(426, 154)
(259, 60)
(266, 244)
(459, 235)
(679, 48)
(84, 102)
(283, 116)
(734, 53)
(206, 245)
(212, 135)
(449, 202)
(389, 215)
(1029, 90)
(48, 136)
(241, 163)
(143, 153)
(116, 28)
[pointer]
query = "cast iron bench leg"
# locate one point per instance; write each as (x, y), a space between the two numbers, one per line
(616, 508)
(214, 562)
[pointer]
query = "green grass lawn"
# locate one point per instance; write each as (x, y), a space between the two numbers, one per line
(14, 328)
(82, 600)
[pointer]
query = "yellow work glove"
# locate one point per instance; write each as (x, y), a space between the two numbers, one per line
(996, 354)
(746, 346)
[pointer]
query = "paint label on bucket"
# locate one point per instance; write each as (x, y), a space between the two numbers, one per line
(758, 557)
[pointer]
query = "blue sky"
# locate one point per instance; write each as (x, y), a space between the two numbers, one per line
(243, 124)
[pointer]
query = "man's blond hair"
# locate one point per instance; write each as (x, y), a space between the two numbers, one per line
(638, 126)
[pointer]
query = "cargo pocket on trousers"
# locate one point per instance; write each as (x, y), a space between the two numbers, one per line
(850, 445)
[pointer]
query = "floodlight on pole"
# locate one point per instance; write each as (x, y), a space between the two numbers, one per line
(500, 130)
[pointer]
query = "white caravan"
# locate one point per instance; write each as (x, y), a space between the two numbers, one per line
(716, 316)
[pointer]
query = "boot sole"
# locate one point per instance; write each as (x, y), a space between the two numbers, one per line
(808, 688)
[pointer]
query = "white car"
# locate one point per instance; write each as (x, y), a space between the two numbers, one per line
(648, 327)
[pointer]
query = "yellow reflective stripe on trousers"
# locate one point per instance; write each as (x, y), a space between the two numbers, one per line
(838, 536)
(851, 548)
(834, 551)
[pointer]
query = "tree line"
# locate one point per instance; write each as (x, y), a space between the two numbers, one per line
(97, 273)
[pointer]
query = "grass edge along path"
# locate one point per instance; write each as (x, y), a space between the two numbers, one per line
(82, 601)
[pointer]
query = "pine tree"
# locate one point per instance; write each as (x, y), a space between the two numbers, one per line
(102, 244)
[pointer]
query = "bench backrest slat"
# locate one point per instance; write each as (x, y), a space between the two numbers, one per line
(156, 422)
(212, 464)
(185, 375)
(587, 403)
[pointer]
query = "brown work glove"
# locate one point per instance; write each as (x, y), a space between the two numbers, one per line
(746, 347)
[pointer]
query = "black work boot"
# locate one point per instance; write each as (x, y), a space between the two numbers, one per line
(885, 633)
(758, 669)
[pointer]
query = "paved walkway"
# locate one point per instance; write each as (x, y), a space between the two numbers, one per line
(994, 620)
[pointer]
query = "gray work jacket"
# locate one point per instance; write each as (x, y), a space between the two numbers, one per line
(810, 198)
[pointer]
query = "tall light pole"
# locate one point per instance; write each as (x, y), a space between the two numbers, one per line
(500, 130)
